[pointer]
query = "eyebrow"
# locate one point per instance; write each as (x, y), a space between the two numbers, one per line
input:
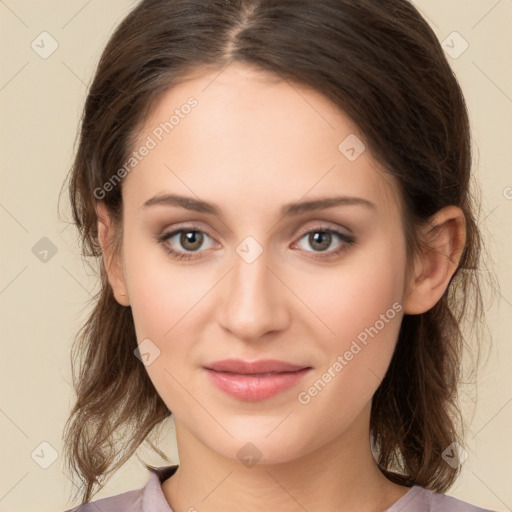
(290, 209)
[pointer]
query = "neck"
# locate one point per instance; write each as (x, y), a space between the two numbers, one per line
(340, 476)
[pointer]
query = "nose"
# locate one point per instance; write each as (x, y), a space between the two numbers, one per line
(253, 300)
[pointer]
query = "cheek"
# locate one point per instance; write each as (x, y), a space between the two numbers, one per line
(353, 296)
(170, 307)
(162, 294)
(360, 311)
(165, 302)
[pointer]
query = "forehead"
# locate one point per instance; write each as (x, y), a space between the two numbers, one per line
(253, 134)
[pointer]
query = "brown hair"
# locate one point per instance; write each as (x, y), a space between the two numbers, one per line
(380, 63)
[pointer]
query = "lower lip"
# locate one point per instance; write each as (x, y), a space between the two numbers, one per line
(254, 387)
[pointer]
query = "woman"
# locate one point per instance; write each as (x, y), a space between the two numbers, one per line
(279, 193)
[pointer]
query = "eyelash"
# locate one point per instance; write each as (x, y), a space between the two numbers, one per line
(346, 240)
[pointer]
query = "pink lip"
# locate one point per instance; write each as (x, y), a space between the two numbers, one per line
(254, 380)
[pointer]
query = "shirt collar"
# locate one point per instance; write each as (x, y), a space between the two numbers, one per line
(153, 499)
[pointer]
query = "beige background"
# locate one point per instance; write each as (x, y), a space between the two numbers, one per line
(43, 303)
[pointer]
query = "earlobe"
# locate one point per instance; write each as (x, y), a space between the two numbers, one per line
(111, 260)
(444, 240)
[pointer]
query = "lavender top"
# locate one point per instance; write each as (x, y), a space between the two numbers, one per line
(151, 499)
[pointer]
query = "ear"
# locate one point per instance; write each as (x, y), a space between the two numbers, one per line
(445, 235)
(112, 262)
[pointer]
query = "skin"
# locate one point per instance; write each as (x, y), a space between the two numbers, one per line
(253, 144)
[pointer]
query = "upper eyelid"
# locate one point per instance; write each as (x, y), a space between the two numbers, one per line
(326, 227)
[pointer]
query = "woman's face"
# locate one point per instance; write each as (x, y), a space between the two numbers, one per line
(261, 279)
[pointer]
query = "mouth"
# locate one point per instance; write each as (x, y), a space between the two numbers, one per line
(257, 380)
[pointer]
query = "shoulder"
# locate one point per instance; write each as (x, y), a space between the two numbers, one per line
(419, 499)
(443, 502)
(124, 502)
(148, 498)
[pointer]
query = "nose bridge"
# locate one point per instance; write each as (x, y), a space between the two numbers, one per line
(252, 303)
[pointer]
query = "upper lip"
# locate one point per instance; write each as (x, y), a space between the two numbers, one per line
(253, 367)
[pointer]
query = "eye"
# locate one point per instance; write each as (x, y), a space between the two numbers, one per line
(190, 239)
(320, 239)
(186, 243)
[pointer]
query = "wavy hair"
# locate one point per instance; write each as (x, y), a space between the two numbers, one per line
(380, 63)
